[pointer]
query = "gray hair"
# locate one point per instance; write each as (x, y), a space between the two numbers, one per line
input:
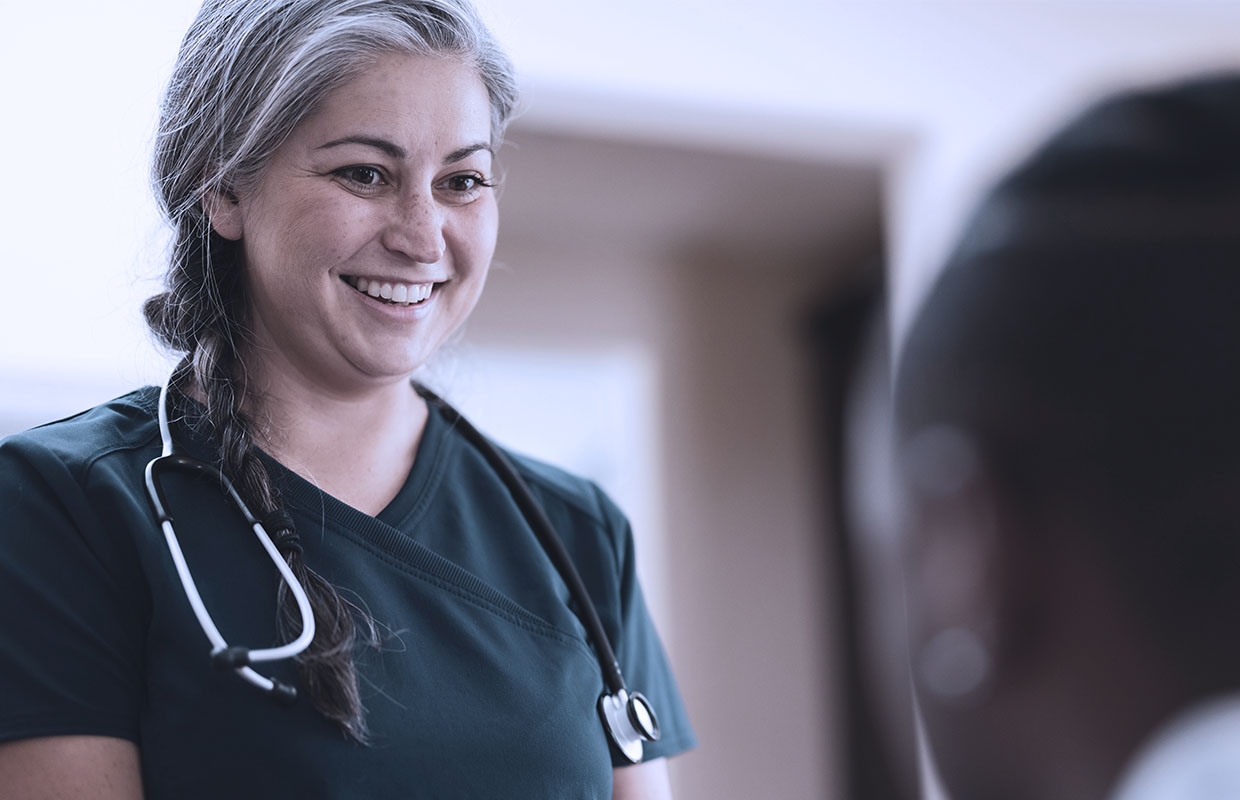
(248, 73)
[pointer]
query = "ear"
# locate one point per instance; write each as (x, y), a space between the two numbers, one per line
(223, 209)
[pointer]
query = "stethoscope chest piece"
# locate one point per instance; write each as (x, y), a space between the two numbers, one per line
(629, 721)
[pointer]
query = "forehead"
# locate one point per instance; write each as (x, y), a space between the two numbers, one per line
(423, 103)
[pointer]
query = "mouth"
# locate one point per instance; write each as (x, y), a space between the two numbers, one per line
(391, 293)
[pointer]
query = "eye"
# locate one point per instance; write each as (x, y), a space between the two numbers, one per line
(361, 177)
(465, 186)
(463, 183)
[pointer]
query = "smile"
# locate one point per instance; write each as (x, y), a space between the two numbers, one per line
(397, 294)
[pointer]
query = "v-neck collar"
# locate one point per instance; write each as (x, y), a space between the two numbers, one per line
(404, 510)
(401, 513)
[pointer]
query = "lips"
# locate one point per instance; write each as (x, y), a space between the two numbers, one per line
(397, 294)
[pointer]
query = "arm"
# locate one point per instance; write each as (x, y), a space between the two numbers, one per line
(645, 781)
(71, 635)
(68, 767)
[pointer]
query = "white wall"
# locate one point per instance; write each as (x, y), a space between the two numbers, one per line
(79, 90)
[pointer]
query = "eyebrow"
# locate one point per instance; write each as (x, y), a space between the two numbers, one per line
(390, 148)
(465, 152)
(396, 151)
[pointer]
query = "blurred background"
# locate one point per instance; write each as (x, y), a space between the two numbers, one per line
(705, 204)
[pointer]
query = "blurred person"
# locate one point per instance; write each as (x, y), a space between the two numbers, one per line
(1068, 431)
(382, 606)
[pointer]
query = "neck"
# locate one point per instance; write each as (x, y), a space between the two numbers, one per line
(357, 447)
(1089, 749)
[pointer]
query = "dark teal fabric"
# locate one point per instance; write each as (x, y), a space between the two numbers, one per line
(484, 686)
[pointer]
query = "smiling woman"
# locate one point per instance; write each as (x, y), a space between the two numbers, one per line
(327, 168)
(386, 185)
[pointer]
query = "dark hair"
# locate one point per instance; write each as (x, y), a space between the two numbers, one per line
(247, 73)
(1086, 334)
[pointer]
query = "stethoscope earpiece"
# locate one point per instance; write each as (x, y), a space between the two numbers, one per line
(282, 693)
(235, 657)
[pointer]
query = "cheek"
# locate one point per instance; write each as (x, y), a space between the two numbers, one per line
(472, 236)
(298, 242)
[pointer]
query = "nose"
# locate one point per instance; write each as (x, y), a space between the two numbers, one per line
(415, 228)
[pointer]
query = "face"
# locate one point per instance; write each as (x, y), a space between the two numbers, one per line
(369, 235)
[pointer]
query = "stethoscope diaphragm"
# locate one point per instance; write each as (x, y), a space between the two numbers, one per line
(629, 720)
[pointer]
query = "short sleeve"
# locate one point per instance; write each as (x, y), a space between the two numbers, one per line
(640, 652)
(71, 605)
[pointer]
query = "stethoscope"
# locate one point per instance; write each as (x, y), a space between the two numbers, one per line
(627, 717)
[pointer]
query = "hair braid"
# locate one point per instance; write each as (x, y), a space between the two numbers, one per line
(211, 332)
(327, 665)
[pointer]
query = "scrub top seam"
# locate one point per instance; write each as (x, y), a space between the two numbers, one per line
(113, 448)
(550, 491)
(399, 550)
(501, 606)
(83, 467)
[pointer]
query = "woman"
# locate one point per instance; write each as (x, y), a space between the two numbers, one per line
(328, 171)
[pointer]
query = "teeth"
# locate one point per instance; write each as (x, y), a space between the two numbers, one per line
(396, 293)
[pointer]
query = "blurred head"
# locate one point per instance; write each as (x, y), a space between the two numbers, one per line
(1070, 444)
(248, 73)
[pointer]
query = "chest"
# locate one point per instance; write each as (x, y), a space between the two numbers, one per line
(470, 693)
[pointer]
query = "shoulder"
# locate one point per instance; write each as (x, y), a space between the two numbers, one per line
(77, 442)
(581, 494)
(1197, 747)
(556, 485)
(583, 514)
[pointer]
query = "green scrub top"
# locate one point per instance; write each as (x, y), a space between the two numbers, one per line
(484, 685)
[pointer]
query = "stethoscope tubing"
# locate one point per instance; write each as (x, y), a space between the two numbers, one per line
(628, 718)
